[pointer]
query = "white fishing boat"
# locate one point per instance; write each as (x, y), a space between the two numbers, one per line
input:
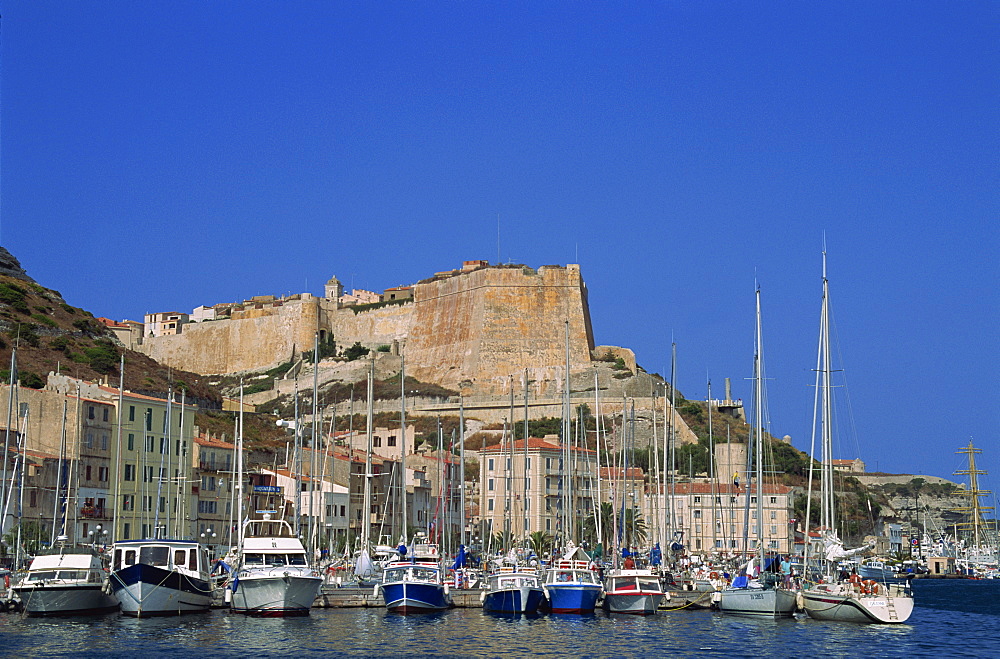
(756, 591)
(160, 577)
(513, 589)
(65, 583)
(636, 591)
(273, 577)
(856, 599)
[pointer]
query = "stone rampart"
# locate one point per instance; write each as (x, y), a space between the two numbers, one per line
(468, 331)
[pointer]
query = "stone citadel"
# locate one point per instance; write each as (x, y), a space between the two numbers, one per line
(466, 329)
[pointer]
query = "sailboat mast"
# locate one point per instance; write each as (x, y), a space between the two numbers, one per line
(238, 508)
(59, 478)
(116, 502)
(567, 477)
(759, 431)
(313, 444)
(6, 440)
(826, 392)
(461, 468)
(366, 526)
(403, 448)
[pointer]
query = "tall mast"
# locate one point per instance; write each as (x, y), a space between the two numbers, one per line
(238, 508)
(297, 465)
(461, 468)
(59, 479)
(116, 502)
(313, 484)
(826, 420)
(568, 516)
(711, 468)
(974, 511)
(673, 438)
(366, 524)
(403, 448)
(4, 486)
(759, 432)
(597, 445)
(527, 513)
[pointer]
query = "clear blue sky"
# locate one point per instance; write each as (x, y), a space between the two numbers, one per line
(159, 156)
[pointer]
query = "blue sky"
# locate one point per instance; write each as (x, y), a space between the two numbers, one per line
(161, 156)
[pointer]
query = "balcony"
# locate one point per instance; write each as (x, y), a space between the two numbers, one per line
(91, 512)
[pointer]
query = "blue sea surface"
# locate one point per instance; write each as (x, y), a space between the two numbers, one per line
(953, 618)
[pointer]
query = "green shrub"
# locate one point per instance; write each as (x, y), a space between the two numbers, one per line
(103, 357)
(60, 343)
(383, 348)
(13, 295)
(31, 380)
(44, 320)
(67, 308)
(356, 351)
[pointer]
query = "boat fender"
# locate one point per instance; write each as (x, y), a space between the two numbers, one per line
(800, 601)
(482, 597)
(446, 588)
(375, 591)
(227, 596)
(713, 575)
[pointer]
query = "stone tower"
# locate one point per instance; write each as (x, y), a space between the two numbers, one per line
(334, 289)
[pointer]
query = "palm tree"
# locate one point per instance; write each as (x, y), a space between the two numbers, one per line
(632, 530)
(541, 542)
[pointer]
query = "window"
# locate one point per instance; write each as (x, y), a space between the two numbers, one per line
(128, 502)
(489, 464)
(697, 499)
(548, 463)
(753, 499)
(529, 464)
(391, 441)
(774, 514)
(105, 414)
(774, 499)
(87, 471)
(149, 418)
(489, 504)
(489, 485)
(163, 445)
(774, 530)
(342, 513)
(102, 474)
(89, 440)
(377, 442)
(90, 412)
(131, 442)
(127, 532)
(150, 444)
(773, 544)
(104, 441)
(129, 472)
(697, 514)
(207, 507)
(33, 499)
(147, 474)
(131, 412)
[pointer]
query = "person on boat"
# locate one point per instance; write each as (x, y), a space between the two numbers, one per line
(786, 571)
(629, 564)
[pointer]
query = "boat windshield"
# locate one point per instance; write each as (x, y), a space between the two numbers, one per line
(394, 575)
(649, 586)
(158, 556)
(47, 575)
(627, 583)
(297, 559)
(423, 574)
(274, 560)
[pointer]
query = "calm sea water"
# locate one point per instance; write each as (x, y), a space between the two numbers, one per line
(952, 618)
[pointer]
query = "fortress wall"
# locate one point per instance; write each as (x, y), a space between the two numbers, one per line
(262, 339)
(472, 330)
(371, 328)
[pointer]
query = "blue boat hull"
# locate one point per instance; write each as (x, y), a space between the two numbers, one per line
(573, 598)
(414, 597)
(514, 600)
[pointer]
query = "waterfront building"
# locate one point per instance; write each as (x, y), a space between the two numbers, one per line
(525, 488)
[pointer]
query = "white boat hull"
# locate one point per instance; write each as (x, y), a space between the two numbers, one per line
(143, 590)
(842, 603)
(769, 602)
(65, 599)
(635, 603)
(276, 594)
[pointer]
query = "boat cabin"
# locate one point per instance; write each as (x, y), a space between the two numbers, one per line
(181, 556)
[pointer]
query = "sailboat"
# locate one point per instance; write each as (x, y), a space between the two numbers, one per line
(856, 599)
(757, 592)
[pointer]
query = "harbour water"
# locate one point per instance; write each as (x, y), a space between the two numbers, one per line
(953, 618)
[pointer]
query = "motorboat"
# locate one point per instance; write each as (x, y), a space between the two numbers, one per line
(160, 577)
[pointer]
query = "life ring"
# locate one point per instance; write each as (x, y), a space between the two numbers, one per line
(713, 575)
(867, 586)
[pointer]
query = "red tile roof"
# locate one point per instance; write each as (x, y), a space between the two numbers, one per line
(534, 443)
